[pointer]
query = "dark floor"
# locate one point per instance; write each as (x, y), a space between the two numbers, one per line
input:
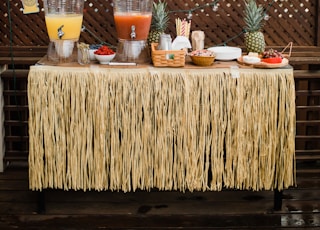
(157, 210)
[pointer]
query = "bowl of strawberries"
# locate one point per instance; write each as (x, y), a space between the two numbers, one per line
(104, 54)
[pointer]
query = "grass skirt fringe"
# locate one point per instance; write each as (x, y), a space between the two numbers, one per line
(171, 129)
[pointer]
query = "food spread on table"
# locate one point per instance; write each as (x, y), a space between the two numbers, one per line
(256, 56)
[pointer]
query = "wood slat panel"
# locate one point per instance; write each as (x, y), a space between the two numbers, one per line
(309, 108)
(308, 124)
(157, 210)
(289, 21)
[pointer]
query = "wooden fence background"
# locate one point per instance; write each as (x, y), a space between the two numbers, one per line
(289, 21)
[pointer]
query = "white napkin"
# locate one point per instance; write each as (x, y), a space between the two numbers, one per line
(181, 42)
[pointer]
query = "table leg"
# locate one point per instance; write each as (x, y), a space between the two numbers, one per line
(277, 200)
(41, 202)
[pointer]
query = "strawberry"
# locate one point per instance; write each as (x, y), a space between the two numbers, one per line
(104, 50)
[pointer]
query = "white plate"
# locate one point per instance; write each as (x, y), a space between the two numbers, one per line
(250, 59)
(226, 53)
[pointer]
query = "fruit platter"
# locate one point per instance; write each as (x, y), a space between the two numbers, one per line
(269, 59)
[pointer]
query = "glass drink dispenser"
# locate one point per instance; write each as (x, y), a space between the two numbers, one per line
(132, 20)
(64, 21)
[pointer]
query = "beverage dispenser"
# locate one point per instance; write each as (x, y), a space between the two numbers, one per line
(64, 21)
(132, 20)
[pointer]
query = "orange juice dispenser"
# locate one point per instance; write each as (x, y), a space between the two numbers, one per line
(132, 20)
(64, 21)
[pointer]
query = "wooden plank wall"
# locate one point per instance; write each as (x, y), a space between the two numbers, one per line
(307, 84)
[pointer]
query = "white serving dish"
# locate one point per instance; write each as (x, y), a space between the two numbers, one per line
(250, 59)
(92, 55)
(104, 59)
(226, 53)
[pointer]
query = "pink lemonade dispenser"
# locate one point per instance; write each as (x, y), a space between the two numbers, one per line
(64, 21)
(132, 20)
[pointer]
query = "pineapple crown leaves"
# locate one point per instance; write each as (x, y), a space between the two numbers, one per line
(160, 18)
(254, 16)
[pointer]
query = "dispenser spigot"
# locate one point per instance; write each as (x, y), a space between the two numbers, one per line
(60, 32)
(133, 32)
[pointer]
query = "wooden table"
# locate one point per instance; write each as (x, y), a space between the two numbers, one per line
(123, 129)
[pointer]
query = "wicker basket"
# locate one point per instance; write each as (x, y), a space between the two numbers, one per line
(167, 58)
(203, 60)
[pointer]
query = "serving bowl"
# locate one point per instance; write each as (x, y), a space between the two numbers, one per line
(93, 48)
(202, 57)
(92, 55)
(104, 59)
(202, 60)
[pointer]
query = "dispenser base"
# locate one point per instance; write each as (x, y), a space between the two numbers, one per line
(136, 51)
(62, 51)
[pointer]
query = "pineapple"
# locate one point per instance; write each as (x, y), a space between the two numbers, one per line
(254, 38)
(159, 22)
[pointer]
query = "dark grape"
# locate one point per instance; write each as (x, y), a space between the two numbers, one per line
(271, 53)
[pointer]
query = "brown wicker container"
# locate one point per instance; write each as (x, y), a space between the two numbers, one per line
(160, 58)
(202, 60)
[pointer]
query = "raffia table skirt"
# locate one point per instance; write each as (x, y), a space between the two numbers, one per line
(170, 129)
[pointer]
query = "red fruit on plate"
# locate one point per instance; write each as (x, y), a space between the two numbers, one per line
(273, 60)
